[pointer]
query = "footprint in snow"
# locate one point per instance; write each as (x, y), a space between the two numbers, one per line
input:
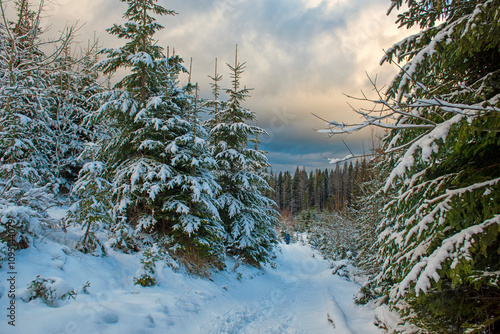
(108, 316)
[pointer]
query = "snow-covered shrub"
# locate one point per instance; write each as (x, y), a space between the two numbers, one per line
(18, 222)
(15, 222)
(333, 235)
(51, 290)
(146, 275)
(4, 250)
(122, 237)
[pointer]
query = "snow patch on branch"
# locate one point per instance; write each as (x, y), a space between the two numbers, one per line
(456, 247)
(427, 145)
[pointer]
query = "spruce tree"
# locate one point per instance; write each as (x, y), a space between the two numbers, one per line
(74, 82)
(22, 106)
(439, 241)
(247, 214)
(157, 157)
(92, 211)
(27, 184)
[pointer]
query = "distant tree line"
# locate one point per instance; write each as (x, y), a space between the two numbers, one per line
(328, 189)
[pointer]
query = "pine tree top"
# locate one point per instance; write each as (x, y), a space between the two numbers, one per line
(141, 51)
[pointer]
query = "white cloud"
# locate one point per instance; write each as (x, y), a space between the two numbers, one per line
(329, 5)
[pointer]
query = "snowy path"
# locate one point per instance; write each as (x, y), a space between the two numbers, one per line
(299, 296)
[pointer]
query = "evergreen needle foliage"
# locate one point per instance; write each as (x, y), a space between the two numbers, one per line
(439, 242)
(42, 104)
(143, 169)
(158, 159)
(438, 247)
(93, 209)
(248, 216)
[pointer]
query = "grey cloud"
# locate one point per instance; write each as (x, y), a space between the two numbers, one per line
(283, 32)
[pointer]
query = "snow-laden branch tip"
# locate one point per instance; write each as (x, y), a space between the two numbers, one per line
(394, 115)
(339, 160)
(426, 145)
(455, 247)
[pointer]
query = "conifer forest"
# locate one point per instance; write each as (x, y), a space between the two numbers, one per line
(121, 174)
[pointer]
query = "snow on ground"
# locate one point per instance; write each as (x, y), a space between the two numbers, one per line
(298, 295)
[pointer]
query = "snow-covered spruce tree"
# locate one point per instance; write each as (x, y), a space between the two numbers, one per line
(440, 242)
(366, 214)
(333, 235)
(146, 275)
(25, 134)
(214, 106)
(159, 165)
(92, 211)
(22, 83)
(248, 215)
(73, 84)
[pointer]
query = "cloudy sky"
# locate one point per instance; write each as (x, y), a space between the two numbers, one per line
(301, 56)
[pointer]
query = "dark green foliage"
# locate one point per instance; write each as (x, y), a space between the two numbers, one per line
(452, 309)
(52, 290)
(158, 159)
(146, 276)
(248, 216)
(440, 241)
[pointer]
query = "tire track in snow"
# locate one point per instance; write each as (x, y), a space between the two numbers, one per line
(335, 314)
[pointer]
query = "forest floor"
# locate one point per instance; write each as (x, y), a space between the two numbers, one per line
(296, 294)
